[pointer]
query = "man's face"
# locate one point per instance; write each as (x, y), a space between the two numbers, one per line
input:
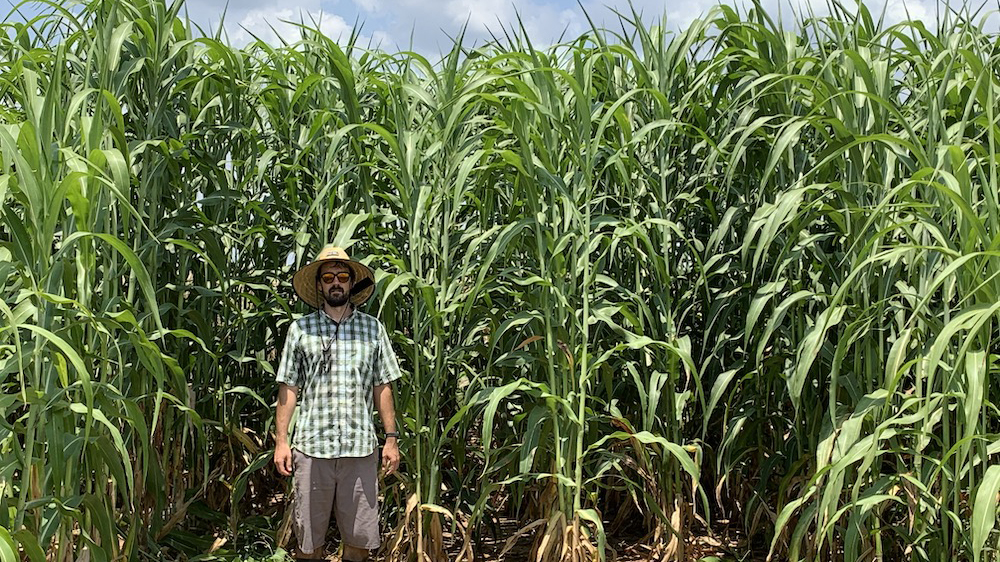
(335, 283)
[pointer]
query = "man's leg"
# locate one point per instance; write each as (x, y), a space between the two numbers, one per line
(355, 554)
(318, 554)
(315, 489)
(357, 506)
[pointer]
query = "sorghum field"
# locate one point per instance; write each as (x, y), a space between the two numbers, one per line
(740, 280)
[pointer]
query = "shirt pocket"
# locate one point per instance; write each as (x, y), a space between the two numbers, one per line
(313, 361)
(361, 355)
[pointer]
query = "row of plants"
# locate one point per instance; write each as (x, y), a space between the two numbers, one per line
(640, 282)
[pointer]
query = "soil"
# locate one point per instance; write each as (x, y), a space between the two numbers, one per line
(626, 549)
(729, 547)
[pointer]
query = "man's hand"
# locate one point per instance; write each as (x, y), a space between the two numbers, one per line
(390, 456)
(283, 459)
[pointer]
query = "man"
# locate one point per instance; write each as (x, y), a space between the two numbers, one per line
(336, 363)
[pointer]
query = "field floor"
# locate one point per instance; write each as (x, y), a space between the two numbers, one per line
(725, 546)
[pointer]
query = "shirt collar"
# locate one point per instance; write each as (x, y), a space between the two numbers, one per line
(347, 319)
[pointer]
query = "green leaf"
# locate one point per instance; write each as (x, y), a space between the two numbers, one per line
(8, 551)
(29, 543)
(984, 510)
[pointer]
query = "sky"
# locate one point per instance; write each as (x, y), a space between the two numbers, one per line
(427, 26)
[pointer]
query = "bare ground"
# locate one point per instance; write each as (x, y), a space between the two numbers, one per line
(725, 545)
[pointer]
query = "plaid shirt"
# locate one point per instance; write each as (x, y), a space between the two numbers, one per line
(335, 368)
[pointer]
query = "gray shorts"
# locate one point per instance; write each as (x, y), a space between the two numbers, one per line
(349, 485)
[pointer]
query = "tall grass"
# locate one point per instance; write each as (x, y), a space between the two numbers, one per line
(640, 282)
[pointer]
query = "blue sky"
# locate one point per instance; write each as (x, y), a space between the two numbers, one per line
(427, 24)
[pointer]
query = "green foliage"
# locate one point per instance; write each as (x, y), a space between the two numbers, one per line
(636, 281)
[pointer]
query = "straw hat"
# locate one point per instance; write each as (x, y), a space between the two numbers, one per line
(304, 280)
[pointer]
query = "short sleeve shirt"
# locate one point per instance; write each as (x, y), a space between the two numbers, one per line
(335, 368)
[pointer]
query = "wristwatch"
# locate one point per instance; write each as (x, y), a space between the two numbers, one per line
(389, 434)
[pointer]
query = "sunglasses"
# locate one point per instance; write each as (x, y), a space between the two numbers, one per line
(329, 278)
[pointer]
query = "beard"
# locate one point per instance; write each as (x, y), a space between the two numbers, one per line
(336, 297)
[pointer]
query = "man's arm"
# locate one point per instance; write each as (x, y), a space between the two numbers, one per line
(387, 413)
(287, 395)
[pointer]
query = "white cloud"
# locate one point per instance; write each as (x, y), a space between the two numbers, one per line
(898, 10)
(381, 38)
(481, 14)
(370, 6)
(274, 24)
(434, 21)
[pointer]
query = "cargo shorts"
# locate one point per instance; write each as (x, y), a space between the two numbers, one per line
(350, 486)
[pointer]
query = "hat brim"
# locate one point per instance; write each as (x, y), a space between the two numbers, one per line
(304, 282)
